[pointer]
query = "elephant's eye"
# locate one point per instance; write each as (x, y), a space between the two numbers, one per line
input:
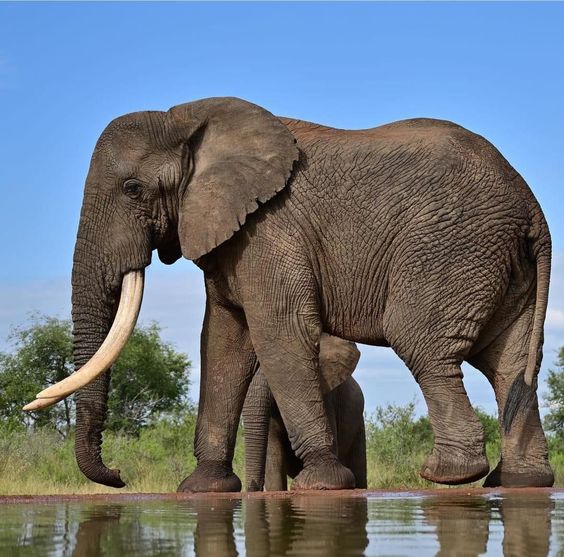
(132, 188)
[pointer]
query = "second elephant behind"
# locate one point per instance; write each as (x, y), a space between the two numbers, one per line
(268, 454)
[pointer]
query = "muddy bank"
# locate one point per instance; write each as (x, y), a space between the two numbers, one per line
(382, 493)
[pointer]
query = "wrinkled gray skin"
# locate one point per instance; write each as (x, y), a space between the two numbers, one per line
(269, 458)
(417, 235)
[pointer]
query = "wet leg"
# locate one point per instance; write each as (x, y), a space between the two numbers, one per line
(524, 451)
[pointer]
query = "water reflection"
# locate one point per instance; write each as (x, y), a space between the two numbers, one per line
(304, 525)
(215, 527)
(449, 524)
(462, 524)
(94, 528)
(527, 525)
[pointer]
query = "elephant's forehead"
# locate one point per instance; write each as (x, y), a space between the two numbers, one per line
(121, 135)
(123, 144)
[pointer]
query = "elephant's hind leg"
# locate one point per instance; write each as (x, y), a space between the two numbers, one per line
(276, 476)
(458, 454)
(524, 451)
(433, 344)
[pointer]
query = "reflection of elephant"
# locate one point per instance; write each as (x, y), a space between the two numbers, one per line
(303, 525)
(298, 525)
(269, 458)
(94, 530)
(215, 529)
(527, 521)
(463, 523)
(417, 235)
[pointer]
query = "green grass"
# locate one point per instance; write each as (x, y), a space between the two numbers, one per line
(41, 462)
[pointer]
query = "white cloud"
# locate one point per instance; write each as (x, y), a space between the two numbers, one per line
(554, 318)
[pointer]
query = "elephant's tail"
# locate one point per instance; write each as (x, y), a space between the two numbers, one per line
(542, 255)
(523, 390)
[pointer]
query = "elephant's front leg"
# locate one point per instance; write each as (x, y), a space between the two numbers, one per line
(287, 346)
(228, 361)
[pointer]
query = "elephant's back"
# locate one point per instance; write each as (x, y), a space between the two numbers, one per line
(401, 132)
(442, 143)
(421, 160)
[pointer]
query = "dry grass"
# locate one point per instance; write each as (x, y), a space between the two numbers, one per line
(41, 463)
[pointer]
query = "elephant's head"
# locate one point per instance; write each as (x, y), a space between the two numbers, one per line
(181, 182)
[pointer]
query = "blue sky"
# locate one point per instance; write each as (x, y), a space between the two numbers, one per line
(67, 69)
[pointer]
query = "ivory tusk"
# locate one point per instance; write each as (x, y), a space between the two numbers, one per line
(107, 354)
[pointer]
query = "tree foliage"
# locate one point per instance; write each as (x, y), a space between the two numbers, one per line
(149, 378)
(42, 356)
(393, 432)
(554, 419)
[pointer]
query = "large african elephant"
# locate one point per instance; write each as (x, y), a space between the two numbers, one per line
(417, 235)
(269, 458)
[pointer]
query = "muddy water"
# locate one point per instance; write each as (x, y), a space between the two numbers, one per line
(452, 522)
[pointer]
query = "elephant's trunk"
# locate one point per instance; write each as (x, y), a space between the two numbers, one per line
(94, 300)
(93, 306)
(256, 418)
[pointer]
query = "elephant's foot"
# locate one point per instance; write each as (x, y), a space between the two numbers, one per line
(324, 473)
(453, 467)
(211, 476)
(520, 476)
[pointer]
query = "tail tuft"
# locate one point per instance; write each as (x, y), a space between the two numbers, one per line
(520, 398)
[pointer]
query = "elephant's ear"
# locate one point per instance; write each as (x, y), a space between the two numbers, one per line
(337, 361)
(238, 155)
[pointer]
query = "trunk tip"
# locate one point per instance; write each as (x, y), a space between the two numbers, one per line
(100, 474)
(116, 480)
(111, 478)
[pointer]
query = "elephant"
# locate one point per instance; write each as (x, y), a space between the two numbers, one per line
(269, 458)
(416, 235)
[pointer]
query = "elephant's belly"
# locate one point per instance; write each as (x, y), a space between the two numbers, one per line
(353, 301)
(364, 326)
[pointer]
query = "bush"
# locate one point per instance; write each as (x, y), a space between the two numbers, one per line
(554, 399)
(397, 446)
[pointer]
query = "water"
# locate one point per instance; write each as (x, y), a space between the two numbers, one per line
(525, 523)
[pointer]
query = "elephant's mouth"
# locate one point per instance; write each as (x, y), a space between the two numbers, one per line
(122, 327)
